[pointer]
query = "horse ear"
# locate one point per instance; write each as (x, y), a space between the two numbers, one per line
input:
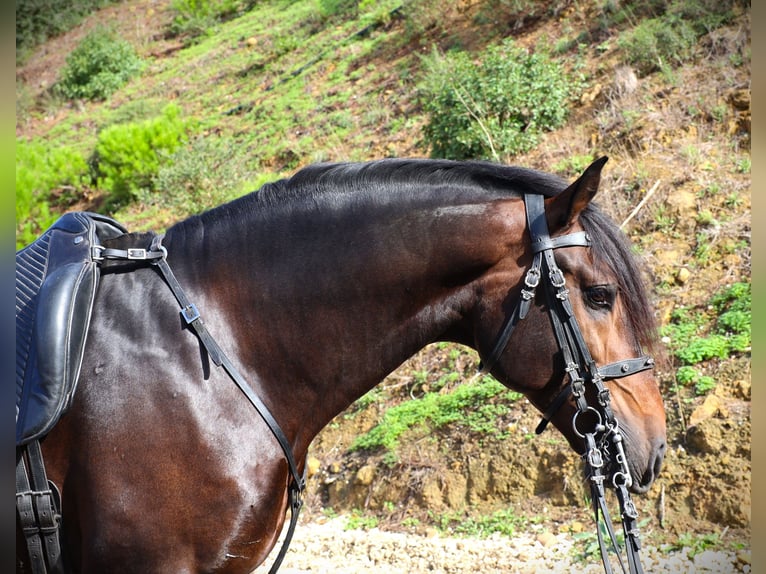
(563, 209)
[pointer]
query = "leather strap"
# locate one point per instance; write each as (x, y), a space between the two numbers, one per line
(193, 319)
(39, 515)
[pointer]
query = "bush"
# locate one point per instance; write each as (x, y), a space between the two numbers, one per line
(659, 43)
(41, 168)
(100, 65)
(205, 172)
(495, 108)
(40, 20)
(196, 17)
(129, 156)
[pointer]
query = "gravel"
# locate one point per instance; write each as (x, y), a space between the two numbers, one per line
(326, 546)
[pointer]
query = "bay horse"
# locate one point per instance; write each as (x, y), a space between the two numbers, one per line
(318, 286)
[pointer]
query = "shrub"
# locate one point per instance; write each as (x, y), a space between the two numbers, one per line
(497, 107)
(128, 157)
(659, 43)
(41, 168)
(196, 17)
(206, 171)
(100, 65)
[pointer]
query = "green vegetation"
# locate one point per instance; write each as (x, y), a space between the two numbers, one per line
(695, 543)
(128, 156)
(41, 20)
(504, 521)
(496, 109)
(358, 520)
(659, 43)
(40, 170)
(100, 65)
(204, 171)
(469, 405)
(721, 330)
(195, 18)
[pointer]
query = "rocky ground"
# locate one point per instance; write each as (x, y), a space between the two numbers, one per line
(327, 546)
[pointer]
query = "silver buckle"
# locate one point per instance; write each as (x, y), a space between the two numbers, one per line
(190, 313)
(136, 253)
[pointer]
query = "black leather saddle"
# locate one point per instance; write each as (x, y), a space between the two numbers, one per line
(56, 282)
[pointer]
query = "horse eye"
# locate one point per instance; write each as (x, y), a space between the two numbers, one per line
(600, 296)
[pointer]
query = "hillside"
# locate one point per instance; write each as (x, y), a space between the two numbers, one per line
(282, 85)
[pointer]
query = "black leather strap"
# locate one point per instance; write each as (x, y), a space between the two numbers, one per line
(193, 319)
(626, 368)
(39, 515)
(581, 368)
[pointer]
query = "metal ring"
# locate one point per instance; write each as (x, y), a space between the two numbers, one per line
(626, 478)
(598, 425)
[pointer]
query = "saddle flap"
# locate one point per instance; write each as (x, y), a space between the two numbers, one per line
(56, 283)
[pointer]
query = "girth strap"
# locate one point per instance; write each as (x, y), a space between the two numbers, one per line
(37, 503)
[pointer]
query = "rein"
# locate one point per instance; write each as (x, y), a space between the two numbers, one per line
(582, 370)
(157, 255)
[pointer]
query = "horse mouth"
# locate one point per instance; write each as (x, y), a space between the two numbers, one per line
(644, 483)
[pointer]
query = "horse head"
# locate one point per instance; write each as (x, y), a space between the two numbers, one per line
(602, 289)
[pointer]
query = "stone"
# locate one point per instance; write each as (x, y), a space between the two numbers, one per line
(312, 466)
(365, 475)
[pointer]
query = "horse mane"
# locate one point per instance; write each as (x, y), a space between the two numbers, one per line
(403, 175)
(336, 183)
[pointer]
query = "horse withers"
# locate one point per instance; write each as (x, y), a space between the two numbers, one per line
(317, 287)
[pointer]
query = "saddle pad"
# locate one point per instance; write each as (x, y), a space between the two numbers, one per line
(56, 282)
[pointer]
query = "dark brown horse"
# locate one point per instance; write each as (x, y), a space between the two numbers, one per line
(317, 287)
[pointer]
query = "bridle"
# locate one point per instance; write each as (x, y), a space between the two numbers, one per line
(582, 371)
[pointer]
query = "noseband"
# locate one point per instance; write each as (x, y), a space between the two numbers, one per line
(582, 370)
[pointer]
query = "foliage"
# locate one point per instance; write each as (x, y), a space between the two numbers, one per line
(687, 376)
(698, 337)
(360, 521)
(202, 173)
(659, 43)
(100, 65)
(467, 404)
(128, 157)
(195, 17)
(503, 521)
(41, 168)
(40, 20)
(694, 543)
(330, 8)
(495, 108)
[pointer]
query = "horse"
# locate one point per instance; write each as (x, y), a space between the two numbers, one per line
(318, 286)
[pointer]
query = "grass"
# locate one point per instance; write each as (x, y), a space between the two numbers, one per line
(504, 522)
(469, 405)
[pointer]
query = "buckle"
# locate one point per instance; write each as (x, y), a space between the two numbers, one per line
(136, 253)
(190, 313)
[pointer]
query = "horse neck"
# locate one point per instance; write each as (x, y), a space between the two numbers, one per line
(322, 310)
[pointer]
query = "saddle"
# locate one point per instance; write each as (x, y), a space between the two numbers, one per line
(56, 281)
